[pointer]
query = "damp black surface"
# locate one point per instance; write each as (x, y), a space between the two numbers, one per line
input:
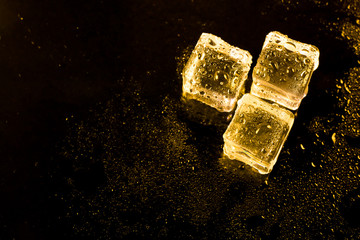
(96, 144)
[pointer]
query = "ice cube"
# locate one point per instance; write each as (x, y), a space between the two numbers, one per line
(215, 73)
(283, 70)
(257, 132)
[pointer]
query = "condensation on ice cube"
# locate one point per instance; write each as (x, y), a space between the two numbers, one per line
(257, 132)
(215, 73)
(283, 70)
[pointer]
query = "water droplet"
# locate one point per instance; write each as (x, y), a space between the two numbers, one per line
(304, 51)
(228, 118)
(291, 46)
(333, 138)
(303, 74)
(250, 108)
(290, 71)
(279, 48)
(211, 42)
(221, 76)
(307, 61)
(236, 53)
(275, 65)
(237, 72)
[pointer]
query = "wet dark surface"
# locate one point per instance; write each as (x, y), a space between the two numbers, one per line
(95, 143)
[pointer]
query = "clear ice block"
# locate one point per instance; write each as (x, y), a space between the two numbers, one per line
(283, 70)
(257, 132)
(215, 73)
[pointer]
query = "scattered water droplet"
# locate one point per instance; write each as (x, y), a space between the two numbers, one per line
(333, 138)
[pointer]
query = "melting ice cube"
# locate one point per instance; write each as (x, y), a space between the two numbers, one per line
(283, 70)
(257, 132)
(215, 73)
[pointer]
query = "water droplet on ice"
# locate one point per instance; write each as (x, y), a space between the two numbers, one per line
(279, 48)
(303, 74)
(211, 42)
(275, 65)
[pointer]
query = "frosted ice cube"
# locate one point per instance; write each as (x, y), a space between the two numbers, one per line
(283, 70)
(215, 73)
(257, 132)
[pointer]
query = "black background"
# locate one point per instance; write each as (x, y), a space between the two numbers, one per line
(94, 146)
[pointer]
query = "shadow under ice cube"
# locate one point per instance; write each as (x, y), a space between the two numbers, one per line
(215, 73)
(257, 132)
(283, 70)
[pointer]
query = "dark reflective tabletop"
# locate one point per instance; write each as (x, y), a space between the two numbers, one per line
(95, 143)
